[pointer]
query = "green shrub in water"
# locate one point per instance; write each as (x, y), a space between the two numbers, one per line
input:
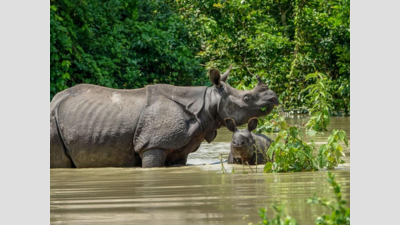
(280, 219)
(290, 152)
(294, 154)
(340, 213)
(329, 154)
(320, 100)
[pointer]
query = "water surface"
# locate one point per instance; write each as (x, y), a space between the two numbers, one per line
(195, 194)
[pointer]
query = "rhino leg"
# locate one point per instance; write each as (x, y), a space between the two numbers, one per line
(181, 162)
(153, 158)
(58, 156)
(230, 159)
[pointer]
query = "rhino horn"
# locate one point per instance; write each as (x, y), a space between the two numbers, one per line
(224, 77)
(260, 82)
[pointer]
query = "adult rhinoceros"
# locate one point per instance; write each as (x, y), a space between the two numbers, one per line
(159, 125)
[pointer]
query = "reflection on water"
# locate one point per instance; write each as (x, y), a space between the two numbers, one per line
(197, 194)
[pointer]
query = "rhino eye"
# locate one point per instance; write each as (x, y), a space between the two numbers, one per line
(246, 97)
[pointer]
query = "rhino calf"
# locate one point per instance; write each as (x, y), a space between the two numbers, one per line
(247, 146)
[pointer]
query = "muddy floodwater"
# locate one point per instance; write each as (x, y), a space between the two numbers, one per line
(195, 194)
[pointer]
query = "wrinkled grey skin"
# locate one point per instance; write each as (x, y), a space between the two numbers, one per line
(155, 126)
(247, 146)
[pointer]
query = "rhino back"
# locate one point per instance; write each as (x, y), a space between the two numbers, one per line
(97, 124)
(262, 141)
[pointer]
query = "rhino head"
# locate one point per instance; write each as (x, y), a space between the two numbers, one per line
(242, 140)
(241, 105)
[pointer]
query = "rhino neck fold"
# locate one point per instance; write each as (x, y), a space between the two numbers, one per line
(211, 107)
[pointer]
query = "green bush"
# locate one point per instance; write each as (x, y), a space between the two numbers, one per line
(293, 154)
(281, 41)
(330, 153)
(132, 43)
(290, 152)
(320, 102)
(120, 44)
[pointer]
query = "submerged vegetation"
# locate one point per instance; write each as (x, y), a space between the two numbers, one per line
(280, 219)
(340, 213)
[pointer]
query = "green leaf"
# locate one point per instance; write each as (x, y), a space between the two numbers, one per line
(311, 75)
(268, 167)
(66, 76)
(346, 142)
(270, 151)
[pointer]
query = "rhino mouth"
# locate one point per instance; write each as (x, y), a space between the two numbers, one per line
(268, 108)
(239, 148)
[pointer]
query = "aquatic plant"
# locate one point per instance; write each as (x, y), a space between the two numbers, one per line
(289, 151)
(320, 99)
(280, 219)
(340, 213)
(330, 153)
(293, 154)
(223, 170)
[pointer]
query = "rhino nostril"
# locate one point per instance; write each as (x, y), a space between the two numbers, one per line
(234, 142)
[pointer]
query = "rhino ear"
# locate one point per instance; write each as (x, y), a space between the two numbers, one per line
(215, 77)
(252, 124)
(224, 77)
(230, 124)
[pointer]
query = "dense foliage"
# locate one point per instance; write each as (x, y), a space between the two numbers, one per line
(280, 40)
(120, 44)
(131, 43)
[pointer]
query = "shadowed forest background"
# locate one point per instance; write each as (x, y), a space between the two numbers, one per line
(129, 44)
